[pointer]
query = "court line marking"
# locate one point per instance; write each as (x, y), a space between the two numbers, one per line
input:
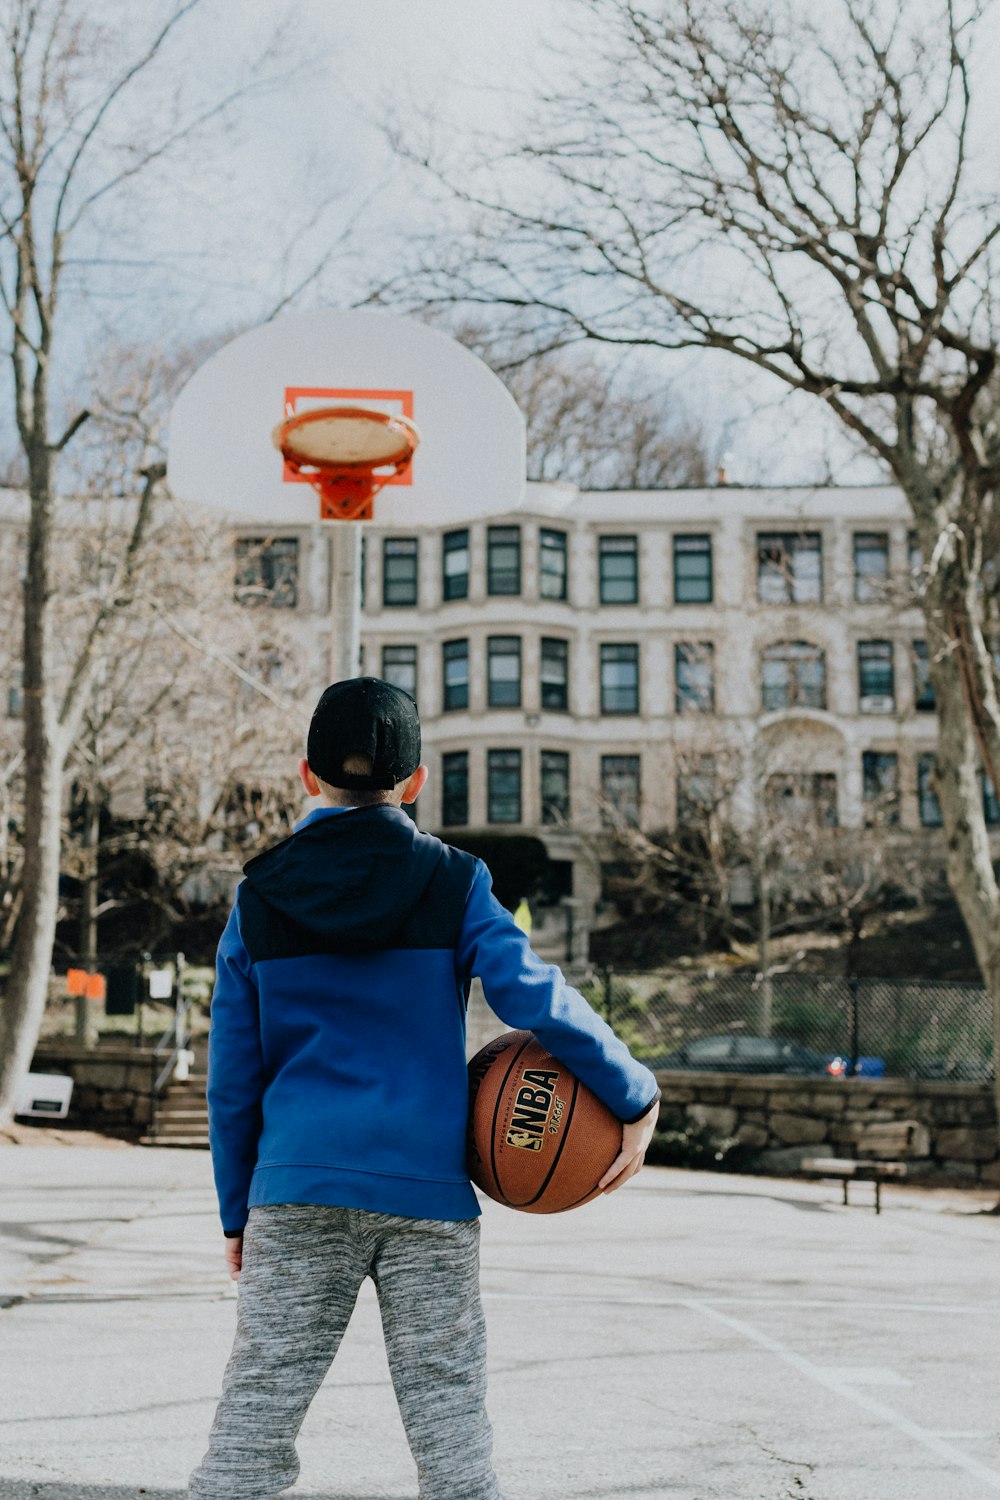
(830, 1381)
(818, 1303)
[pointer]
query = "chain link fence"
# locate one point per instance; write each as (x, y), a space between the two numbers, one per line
(908, 1028)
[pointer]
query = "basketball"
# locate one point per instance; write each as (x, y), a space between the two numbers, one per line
(539, 1140)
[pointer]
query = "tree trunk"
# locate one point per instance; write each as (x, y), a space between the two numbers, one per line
(23, 1004)
(970, 865)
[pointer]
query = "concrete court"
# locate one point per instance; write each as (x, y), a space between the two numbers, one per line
(694, 1337)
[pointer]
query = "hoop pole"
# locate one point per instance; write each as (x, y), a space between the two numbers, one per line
(345, 568)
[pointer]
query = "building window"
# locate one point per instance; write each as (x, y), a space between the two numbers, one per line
(692, 570)
(552, 564)
(503, 560)
(871, 566)
(455, 662)
(620, 679)
(620, 790)
(930, 807)
(923, 688)
(399, 570)
(399, 666)
(555, 786)
(793, 675)
(619, 569)
(267, 571)
(555, 673)
(503, 782)
(504, 669)
(15, 694)
(455, 788)
(789, 567)
(808, 798)
(455, 565)
(880, 786)
(991, 806)
(694, 678)
(914, 553)
(696, 790)
(876, 685)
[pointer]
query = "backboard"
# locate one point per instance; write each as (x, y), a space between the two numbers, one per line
(471, 457)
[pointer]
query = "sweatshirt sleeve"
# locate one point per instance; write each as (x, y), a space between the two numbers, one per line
(235, 1076)
(533, 996)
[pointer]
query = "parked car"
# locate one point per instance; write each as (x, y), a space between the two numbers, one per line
(742, 1054)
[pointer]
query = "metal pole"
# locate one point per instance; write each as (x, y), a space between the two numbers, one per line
(345, 556)
(855, 1025)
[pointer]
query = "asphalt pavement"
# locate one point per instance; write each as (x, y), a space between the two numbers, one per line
(694, 1337)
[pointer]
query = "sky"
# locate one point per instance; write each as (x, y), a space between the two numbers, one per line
(223, 231)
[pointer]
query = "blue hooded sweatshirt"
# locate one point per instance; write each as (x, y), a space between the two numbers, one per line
(337, 1070)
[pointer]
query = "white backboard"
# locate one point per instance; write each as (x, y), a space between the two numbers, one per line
(471, 458)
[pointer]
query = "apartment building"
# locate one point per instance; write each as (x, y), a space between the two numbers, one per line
(596, 657)
(602, 657)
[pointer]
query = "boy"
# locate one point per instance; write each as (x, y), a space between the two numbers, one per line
(337, 1091)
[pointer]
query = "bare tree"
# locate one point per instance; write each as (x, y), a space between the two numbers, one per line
(809, 191)
(68, 150)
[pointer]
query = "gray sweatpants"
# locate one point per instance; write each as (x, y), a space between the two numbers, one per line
(303, 1266)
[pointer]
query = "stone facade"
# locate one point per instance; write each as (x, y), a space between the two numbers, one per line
(780, 1121)
(112, 1086)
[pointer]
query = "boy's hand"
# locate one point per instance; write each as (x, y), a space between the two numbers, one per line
(635, 1138)
(234, 1257)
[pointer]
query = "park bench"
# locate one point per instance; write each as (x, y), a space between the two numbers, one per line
(881, 1159)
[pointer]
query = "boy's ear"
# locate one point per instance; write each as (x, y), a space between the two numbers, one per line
(414, 784)
(308, 778)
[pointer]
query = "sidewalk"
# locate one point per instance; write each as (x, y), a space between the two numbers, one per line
(695, 1337)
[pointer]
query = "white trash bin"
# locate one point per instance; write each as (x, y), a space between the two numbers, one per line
(44, 1096)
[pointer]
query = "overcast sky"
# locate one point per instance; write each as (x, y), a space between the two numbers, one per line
(224, 231)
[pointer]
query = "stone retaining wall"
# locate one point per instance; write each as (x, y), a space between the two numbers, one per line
(781, 1120)
(111, 1085)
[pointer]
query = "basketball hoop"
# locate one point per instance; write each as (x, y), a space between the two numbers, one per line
(347, 453)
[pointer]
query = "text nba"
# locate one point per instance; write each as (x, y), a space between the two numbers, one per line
(537, 1109)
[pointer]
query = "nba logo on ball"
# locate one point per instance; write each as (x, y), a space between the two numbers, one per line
(532, 1107)
(531, 1147)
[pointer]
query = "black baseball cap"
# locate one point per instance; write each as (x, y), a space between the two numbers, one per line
(364, 716)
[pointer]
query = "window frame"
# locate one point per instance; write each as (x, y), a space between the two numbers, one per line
(448, 548)
(924, 697)
(622, 766)
(548, 642)
(870, 587)
(495, 652)
(497, 537)
(412, 543)
(865, 657)
(561, 812)
(560, 549)
(493, 756)
(606, 659)
(805, 652)
(928, 806)
(608, 546)
(791, 545)
(680, 547)
(399, 647)
(450, 654)
(690, 704)
(452, 762)
(873, 790)
(267, 588)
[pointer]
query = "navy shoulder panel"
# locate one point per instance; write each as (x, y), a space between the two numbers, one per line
(421, 912)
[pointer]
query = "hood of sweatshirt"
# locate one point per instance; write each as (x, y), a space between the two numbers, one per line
(350, 879)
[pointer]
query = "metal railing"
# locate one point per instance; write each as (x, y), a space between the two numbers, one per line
(172, 1043)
